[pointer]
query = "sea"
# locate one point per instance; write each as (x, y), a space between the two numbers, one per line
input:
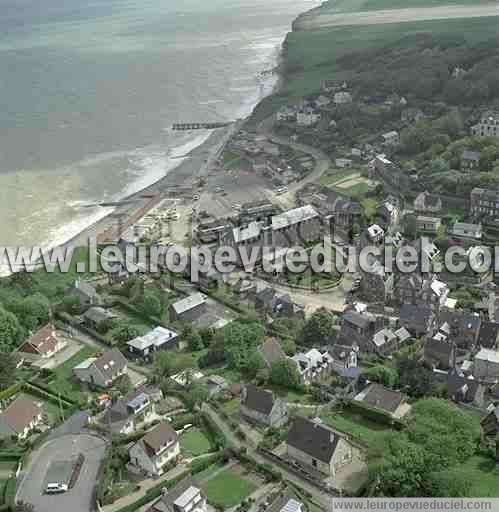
(89, 90)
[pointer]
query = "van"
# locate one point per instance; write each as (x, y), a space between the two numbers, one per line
(56, 488)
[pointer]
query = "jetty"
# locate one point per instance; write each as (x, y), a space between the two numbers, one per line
(199, 126)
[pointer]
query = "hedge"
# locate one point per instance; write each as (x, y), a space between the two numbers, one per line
(215, 435)
(48, 394)
(10, 491)
(198, 465)
(266, 469)
(10, 391)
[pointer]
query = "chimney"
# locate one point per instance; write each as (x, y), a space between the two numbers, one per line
(164, 491)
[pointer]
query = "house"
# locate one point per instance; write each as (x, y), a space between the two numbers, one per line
(44, 343)
(357, 329)
(96, 315)
(313, 366)
(155, 450)
(486, 365)
(345, 361)
(465, 230)
(342, 98)
(488, 125)
(157, 339)
(286, 114)
(136, 409)
(210, 279)
(439, 350)
(461, 389)
(470, 160)
(261, 406)
(271, 352)
(343, 163)
(417, 319)
(390, 402)
(322, 101)
(385, 342)
(307, 117)
(411, 115)
(428, 224)
(244, 289)
(484, 203)
(315, 446)
(390, 138)
(216, 385)
(427, 203)
(186, 496)
(20, 418)
(464, 327)
(490, 428)
(275, 305)
(286, 501)
(377, 286)
(103, 370)
(85, 292)
(387, 214)
(375, 234)
(188, 309)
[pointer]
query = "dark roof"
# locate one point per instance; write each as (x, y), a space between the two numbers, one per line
(258, 399)
(313, 439)
(265, 296)
(438, 347)
(379, 397)
(415, 313)
(357, 319)
(461, 388)
(158, 438)
(471, 155)
(110, 362)
(487, 336)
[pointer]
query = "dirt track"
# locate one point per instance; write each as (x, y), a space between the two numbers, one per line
(316, 20)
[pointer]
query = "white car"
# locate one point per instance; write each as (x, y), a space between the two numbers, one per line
(56, 488)
(281, 190)
(236, 206)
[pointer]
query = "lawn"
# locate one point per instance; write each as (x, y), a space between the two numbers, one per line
(216, 489)
(194, 442)
(482, 474)
(63, 381)
(333, 176)
(357, 191)
(357, 426)
(202, 475)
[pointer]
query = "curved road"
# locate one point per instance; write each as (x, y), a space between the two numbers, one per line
(78, 499)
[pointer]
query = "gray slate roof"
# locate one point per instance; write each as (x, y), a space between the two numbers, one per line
(258, 399)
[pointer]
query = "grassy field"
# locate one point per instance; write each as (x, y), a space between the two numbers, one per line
(216, 489)
(231, 406)
(194, 442)
(357, 426)
(63, 381)
(311, 56)
(377, 5)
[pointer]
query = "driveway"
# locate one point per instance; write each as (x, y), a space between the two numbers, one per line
(81, 497)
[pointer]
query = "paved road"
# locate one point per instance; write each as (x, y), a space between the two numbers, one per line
(78, 499)
(319, 19)
(320, 497)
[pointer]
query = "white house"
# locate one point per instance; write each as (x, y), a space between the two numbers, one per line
(343, 97)
(486, 366)
(157, 339)
(391, 138)
(343, 162)
(313, 365)
(465, 230)
(155, 450)
(186, 496)
(307, 117)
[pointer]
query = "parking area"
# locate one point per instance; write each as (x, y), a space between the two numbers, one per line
(78, 499)
(72, 347)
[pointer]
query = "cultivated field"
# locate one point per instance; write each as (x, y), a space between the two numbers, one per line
(328, 19)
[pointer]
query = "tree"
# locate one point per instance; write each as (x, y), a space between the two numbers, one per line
(124, 333)
(284, 373)
(451, 483)
(196, 395)
(318, 328)
(7, 369)
(71, 304)
(192, 337)
(163, 366)
(383, 375)
(124, 384)
(414, 379)
(151, 305)
(31, 311)
(10, 330)
(410, 225)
